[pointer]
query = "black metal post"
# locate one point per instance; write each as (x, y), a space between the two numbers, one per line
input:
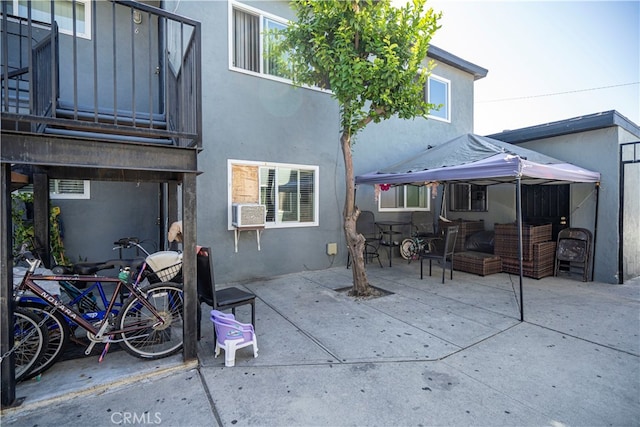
(7, 376)
(519, 222)
(189, 241)
(595, 230)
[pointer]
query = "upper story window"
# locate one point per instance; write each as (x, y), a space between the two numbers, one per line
(404, 198)
(468, 198)
(289, 192)
(439, 93)
(251, 41)
(63, 10)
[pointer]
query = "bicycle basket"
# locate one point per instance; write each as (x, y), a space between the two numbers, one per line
(166, 265)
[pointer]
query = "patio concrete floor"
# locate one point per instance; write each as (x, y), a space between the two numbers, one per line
(426, 354)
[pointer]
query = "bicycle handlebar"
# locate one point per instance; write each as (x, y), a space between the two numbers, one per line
(31, 259)
(128, 242)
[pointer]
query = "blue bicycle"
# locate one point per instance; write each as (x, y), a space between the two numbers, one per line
(95, 301)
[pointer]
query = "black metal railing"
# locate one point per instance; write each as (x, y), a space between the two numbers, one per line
(44, 73)
(181, 94)
(16, 55)
(135, 77)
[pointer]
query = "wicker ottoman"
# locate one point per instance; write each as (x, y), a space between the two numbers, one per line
(480, 263)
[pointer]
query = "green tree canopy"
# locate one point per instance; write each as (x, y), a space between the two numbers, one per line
(370, 54)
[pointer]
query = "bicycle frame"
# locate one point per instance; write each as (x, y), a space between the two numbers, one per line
(28, 282)
(78, 297)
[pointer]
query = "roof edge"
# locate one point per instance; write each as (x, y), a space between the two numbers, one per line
(442, 55)
(589, 122)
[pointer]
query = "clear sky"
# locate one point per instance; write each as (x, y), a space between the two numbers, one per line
(547, 60)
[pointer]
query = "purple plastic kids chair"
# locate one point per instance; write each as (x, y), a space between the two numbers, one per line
(232, 335)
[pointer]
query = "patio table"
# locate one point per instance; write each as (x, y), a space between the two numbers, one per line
(387, 230)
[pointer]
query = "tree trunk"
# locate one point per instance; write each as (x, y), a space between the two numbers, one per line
(355, 240)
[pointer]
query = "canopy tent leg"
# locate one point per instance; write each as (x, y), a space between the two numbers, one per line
(595, 230)
(519, 222)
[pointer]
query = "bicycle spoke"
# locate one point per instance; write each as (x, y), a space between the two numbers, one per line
(30, 340)
(144, 335)
(58, 331)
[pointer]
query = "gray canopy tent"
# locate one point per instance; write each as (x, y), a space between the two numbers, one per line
(480, 160)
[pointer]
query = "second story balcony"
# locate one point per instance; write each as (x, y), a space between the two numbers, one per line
(112, 71)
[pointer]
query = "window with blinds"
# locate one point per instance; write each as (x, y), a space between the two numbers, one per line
(72, 188)
(253, 42)
(289, 192)
(246, 41)
(468, 198)
(64, 189)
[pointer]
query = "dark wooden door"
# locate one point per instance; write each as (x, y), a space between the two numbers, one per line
(542, 204)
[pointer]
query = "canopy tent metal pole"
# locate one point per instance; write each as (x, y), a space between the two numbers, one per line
(519, 222)
(595, 230)
(443, 207)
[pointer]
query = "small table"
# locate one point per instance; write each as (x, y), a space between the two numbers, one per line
(387, 229)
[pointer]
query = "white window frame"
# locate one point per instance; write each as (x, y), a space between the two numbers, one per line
(88, 17)
(447, 106)
(85, 195)
(233, 4)
(277, 223)
(262, 16)
(406, 208)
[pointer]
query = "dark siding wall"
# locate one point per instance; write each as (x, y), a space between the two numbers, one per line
(116, 209)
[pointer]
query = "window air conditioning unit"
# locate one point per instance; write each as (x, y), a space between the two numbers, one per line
(248, 215)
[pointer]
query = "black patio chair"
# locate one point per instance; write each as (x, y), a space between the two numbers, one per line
(366, 225)
(223, 299)
(442, 254)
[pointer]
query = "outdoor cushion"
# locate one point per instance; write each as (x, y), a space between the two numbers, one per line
(482, 241)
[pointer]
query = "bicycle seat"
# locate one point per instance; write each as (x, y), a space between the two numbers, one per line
(62, 269)
(86, 268)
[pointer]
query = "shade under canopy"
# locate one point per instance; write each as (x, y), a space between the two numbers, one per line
(482, 160)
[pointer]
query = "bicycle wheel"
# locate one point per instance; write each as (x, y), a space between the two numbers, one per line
(143, 336)
(29, 340)
(408, 248)
(59, 332)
